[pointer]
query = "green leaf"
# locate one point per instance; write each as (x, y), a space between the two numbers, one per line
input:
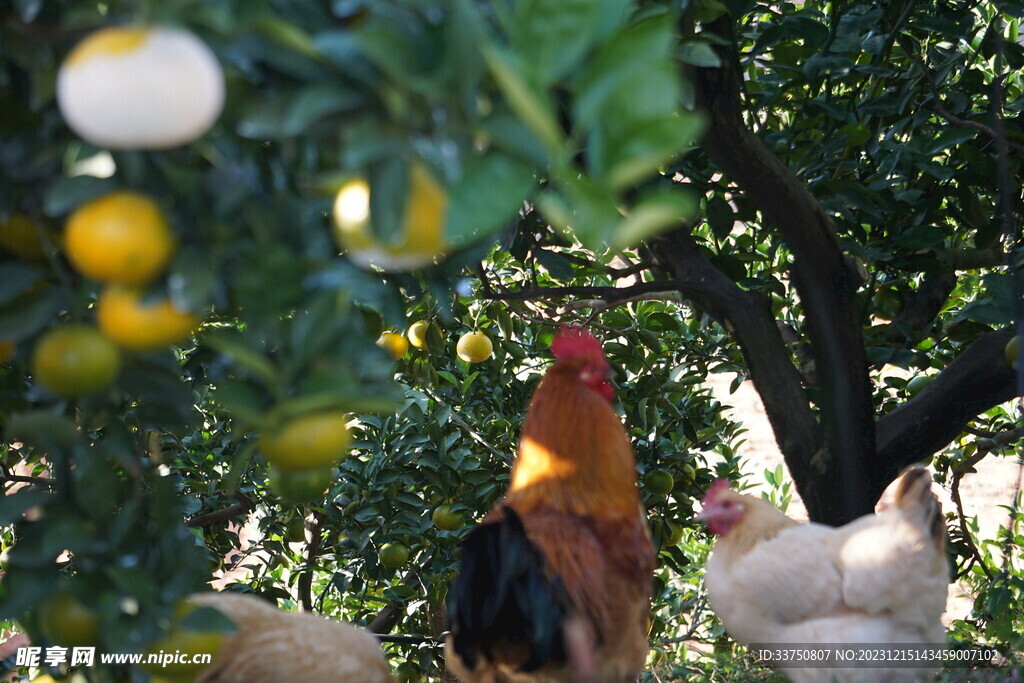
(654, 213)
(553, 35)
(698, 54)
(230, 345)
(14, 505)
(490, 192)
(66, 194)
(557, 265)
(531, 104)
(720, 216)
(16, 279)
(44, 431)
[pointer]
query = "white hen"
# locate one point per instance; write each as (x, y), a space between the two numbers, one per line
(880, 579)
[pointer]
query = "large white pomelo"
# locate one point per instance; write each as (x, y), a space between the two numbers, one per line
(140, 88)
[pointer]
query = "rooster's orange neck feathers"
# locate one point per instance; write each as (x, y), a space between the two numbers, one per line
(574, 455)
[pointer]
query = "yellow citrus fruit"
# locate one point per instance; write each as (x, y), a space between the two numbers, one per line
(1010, 351)
(317, 440)
(186, 641)
(122, 237)
(125, 318)
(474, 347)
(446, 520)
(417, 334)
(74, 360)
(65, 621)
(6, 351)
(301, 486)
(659, 482)
(421, 236)
(393, 555)
(140, 88)
(20, 236)
(394, 343)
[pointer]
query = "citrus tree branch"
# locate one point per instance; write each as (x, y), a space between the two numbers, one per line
(976, 380)
(821, 273)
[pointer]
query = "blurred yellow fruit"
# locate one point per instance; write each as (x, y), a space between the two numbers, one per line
(183, 641)
(394, 343)
(417, 334)
(307, 442)
(474, 347)
(125, 318)
(421, 237)
(140, 88)
(299, 487)
(75, 360)
(122, 237)
(67, 622)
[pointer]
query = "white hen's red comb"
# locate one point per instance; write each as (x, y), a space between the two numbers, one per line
(715, 490)
(574, 342)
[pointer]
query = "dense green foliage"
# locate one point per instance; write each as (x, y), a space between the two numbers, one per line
(565, 135)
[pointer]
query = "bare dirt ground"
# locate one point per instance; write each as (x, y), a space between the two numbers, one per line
(985, 494)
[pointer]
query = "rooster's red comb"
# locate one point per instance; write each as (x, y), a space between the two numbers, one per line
(573, 342)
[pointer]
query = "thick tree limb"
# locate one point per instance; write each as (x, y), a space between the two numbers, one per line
(243, 506)
(747, 315)
(976, 380)
(305, 581)
(823, 278)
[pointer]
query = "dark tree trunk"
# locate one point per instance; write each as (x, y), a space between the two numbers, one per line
(837, 462)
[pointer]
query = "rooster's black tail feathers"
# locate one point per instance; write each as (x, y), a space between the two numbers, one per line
(503, 604)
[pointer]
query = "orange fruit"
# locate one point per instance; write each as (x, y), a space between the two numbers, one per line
(474, 347)
(122, 237)
(74, 360)
(317, 440)
(417, 334)
(395, 344)
(421, 236)
(140, 326)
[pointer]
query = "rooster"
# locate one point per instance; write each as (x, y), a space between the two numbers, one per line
(879, 579)
(555, 584)
(271, 645)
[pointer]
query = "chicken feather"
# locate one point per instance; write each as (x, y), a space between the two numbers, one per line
(880, 579)
(555, 583)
